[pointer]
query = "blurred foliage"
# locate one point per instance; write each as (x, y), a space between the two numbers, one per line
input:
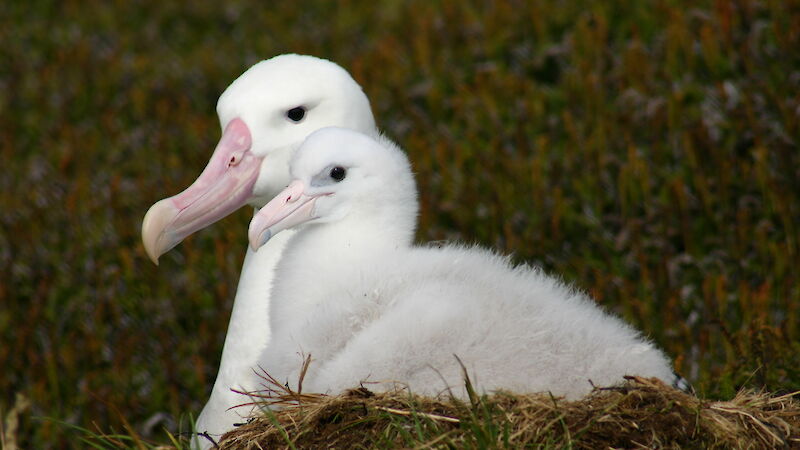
(645, 151)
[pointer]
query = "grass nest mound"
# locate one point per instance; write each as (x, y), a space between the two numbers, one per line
(643, 412)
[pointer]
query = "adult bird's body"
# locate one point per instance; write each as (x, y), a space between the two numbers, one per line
(366, 305)
(265, 114)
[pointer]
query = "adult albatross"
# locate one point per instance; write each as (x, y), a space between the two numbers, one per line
(265, 114)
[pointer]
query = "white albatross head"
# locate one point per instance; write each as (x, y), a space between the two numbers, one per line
(265, 114)
(340, 173)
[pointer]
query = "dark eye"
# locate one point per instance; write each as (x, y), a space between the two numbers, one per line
(296, 114)
(338, 173)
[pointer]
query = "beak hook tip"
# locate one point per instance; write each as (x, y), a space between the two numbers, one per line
(262, 239)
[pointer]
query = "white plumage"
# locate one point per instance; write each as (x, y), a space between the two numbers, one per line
(262, 94)
(354, 293)
(249, 166)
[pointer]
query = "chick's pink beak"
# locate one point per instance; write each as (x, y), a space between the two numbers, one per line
(289, 208)
(224, 186)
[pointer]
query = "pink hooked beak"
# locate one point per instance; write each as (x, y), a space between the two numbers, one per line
(225, 185)
(289, 208)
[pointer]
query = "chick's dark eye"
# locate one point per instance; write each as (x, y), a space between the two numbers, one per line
(296, 114)
(338, 173)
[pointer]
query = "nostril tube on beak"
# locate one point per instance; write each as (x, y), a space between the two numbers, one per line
(288, 209)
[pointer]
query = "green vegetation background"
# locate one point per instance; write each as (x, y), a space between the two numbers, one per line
(645, 151)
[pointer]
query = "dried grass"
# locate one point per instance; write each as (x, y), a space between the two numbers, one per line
(643, 413)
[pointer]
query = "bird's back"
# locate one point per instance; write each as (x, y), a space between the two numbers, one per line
(513, 328)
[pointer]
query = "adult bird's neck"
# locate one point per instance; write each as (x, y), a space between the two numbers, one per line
(248, 334)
